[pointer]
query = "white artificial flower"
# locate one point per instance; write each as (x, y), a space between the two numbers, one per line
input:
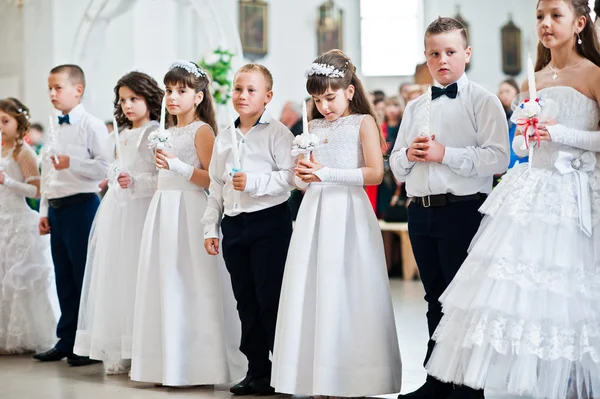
(159, 139)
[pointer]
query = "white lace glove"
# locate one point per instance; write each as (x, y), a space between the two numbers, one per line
(24, 189)
(589, 141)
(300, 184)
(180, 167)
(518, 146)
(351, 177)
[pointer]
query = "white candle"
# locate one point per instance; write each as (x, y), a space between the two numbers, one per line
(304, 118)
(118, 153)
(235, 151)
(426, 131)
(1, 143)
(53, 137)
(531, 79)
(162, 113)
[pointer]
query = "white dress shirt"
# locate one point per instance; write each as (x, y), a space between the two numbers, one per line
(87, 143)
(265, 157)
(474, 131)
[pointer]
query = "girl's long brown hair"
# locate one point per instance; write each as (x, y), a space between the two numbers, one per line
(20, 112)
(589, 47)
(318, 84)
(144, 86)
(205, 111)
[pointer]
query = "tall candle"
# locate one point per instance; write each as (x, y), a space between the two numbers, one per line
(162, 113)
(304, 118)
(53, 137)
(426, 130)
(235, 151)
(531, 79)
(118, 153)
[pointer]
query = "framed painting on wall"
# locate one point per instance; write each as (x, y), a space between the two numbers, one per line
(254, 27)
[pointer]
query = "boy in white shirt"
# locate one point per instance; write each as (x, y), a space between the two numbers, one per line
(71, 172)
(257, 224)
(448, 174)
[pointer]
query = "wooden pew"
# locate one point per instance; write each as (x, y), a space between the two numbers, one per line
(409, 264)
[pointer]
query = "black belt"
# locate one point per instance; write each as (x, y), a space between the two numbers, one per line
(444, 199)
(70, 200)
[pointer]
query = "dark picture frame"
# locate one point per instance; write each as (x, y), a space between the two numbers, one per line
(511, 48)
(254, 27)
(330, 30)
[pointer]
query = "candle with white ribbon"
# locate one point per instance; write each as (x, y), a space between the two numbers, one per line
(163, 108)
(118, 153)
(426, 130)
(53, 137)
(237, 165)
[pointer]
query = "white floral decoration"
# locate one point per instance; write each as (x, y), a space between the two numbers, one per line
(323, 69)
(304, 143)
(190, 67)
(159, 139)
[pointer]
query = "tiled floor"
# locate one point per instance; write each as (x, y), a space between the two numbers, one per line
(23, 378)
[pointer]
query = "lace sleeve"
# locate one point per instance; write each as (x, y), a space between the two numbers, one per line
(28, 163)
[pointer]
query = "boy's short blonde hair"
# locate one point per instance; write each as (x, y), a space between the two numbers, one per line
(257, 68)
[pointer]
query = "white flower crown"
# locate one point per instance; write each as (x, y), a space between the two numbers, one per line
(323, 69)
(190, 67)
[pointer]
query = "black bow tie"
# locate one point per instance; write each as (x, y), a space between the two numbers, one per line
(450, 91)
(64, 119)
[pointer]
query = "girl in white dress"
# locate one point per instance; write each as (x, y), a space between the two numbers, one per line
(336, 334)
(185, 326)
(28, 302)
(105, 322)
(523, 313)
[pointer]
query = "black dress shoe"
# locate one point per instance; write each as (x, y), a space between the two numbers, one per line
(464, 392)
(53, 355)
(243, 387)
(432, 389)
(262, 387)
(76, 361)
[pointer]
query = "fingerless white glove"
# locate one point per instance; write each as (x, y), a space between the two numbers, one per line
(351, 177)
(24, 189)
(181, 168)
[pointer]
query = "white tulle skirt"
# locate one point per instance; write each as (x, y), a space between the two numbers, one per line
(28, 301)
(523, 313)
(186, 329)
(105, 324)
(336, 333)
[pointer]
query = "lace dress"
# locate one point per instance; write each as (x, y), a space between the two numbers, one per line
(105, 322)
(523, 313)
(336, 334)
(186, 330)
(28, 301)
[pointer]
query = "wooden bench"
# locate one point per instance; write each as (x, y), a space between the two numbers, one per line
(409, 264)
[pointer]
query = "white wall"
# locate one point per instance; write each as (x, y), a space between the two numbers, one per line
(155, 32)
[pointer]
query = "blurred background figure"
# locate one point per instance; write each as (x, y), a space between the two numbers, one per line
(291, 116)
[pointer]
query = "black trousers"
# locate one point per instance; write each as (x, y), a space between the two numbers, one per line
(71, 225)
(255, 247)
(440, 237)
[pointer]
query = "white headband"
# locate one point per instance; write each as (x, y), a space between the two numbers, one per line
(190, 67)
(323, 69)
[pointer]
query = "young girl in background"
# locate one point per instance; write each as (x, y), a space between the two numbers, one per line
(28, 302)
(336, 334)
(182, 330)
(105, 322)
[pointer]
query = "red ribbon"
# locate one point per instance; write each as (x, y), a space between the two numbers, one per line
(525, 124)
